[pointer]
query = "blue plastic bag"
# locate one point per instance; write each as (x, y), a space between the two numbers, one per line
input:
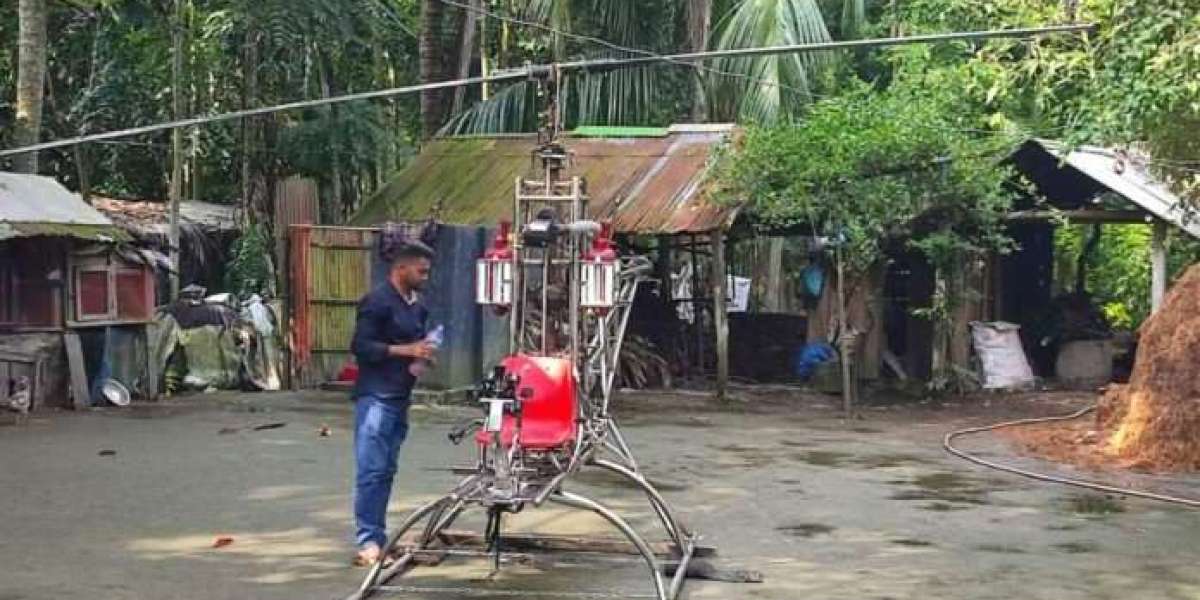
(809, 356)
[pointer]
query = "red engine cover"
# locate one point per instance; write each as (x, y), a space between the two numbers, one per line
(548, 406)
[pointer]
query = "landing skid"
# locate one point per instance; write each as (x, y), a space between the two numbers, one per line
(476, 492)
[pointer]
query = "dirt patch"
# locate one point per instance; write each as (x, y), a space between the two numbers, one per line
(806, 530)
(1150, 423)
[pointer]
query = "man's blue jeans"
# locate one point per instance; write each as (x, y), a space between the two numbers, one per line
(380, 426)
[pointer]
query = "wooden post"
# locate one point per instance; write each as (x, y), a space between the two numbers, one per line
(720, 317)
(773, 286)
(176, 189)
(1158, 265)
(844, 344)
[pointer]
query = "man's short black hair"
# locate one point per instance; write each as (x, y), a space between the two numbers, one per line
(411, 250)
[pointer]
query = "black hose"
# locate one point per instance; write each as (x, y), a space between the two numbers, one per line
(948, 444)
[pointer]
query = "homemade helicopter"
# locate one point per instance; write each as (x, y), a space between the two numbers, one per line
(568, 294)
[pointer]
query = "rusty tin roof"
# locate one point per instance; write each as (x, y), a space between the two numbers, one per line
(644, 185)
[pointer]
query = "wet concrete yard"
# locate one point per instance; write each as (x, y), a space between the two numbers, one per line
(127, 504)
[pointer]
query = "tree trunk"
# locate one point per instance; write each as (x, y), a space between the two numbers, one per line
(429, 48)
(31, 81)
(324, 68)
(699, 24)
(466, 51)
(249, 100)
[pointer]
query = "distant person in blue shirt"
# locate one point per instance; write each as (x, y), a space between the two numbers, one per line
(389, 337)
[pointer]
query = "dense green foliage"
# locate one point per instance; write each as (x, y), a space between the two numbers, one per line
(1131, 84)
(110, 68)
(877, 166)
(1118, 269)
(878, 145)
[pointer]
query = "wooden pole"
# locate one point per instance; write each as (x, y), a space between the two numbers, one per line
(1158, 265)
(176, 147)
(485, 65)
(720, 317)
(845, 343)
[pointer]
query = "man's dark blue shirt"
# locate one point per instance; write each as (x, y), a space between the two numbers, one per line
(386, 318)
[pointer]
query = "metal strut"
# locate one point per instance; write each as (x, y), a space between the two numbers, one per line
(585, 503)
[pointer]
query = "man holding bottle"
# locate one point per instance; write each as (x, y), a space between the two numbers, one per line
(392, 346)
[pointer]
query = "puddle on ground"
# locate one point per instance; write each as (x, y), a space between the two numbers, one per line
(753, 457)
(1063, 527)
(942, 507)
(999, 549)
(912, 543)
(942, 488)
(805, 530)
(798, 444)
(1077, 547)
(822, 458)
(888, 461)
(1094, 505)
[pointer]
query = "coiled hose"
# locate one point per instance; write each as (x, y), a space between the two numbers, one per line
(948, 445)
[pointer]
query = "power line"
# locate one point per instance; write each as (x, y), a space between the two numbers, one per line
(264, 110)
(533, 70)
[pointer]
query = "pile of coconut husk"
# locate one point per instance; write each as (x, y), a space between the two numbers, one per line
(1153, 422)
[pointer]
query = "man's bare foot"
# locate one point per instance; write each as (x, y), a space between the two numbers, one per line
(368, 555)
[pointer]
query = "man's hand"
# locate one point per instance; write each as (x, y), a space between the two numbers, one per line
(421, 350)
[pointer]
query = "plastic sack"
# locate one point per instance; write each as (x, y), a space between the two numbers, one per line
(809, 357)
(1001, 356)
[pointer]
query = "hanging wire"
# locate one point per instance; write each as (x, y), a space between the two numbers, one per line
(532, 70)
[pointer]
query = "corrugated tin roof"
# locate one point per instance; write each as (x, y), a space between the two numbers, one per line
(32, 205)
(1127, 176)
(151, 217)
(644, 185)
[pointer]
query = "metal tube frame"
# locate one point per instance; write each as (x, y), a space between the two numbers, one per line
(509, 477)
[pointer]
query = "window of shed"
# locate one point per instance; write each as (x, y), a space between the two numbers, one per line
(135, 294)
(93, 294)
(36, 284)
(108, 289)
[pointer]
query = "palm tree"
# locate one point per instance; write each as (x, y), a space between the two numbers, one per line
(761, 89)
(765, 88)
(31, 81)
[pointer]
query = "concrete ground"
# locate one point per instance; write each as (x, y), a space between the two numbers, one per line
(122, 504)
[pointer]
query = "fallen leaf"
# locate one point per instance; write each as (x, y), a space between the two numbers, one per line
(222, 541)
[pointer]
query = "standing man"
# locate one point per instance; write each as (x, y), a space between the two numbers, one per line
(389, 336)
